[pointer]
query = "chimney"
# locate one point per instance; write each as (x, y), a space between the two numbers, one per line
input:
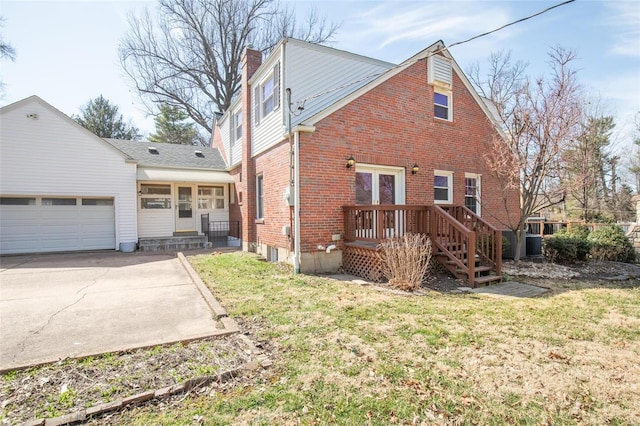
(251, 61)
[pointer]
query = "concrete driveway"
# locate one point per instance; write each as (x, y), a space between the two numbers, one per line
(73, 305)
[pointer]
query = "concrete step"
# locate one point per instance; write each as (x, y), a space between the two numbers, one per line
(487, 279)
(172, 243)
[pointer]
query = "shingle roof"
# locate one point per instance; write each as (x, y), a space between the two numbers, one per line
(171, 155)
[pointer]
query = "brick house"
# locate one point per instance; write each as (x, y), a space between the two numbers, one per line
(331, 152)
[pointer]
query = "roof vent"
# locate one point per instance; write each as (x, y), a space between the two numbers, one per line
(199, 154)
(153, 150)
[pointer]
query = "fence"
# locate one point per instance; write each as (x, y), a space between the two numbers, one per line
(222, 233)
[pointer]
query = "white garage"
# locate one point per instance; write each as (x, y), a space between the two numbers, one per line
(62, 188)
(48, 224)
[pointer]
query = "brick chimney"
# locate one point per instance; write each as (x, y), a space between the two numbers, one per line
(251, 61)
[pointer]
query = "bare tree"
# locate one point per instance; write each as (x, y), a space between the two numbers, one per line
(538, 117)
(6, 50)
(635, 160)
(587, 164)
(189, 56)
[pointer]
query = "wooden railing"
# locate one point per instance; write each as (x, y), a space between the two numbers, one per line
(488, 238)
(375, 223)
(452, 238)
(455, 231)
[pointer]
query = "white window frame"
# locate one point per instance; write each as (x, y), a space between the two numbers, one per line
(260, 100)
(160, 197)
(449, 176)
(449, 106)
(215, 200)
(259, 197)
(478, 195)
(236, 126)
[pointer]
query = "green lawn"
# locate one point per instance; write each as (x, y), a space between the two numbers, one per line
(351, 355)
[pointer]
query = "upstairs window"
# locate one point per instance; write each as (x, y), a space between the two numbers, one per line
(441, 105)
(236, 135)
(266, 95)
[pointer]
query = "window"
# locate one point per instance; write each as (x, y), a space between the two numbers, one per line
(266, 96)
(59, 201)
(237, 122)
(472, 192)
(17, 201)
(210, 197)
(441, 105)
(259, 197)
(97, 201)
(155, 196)
(442, 187)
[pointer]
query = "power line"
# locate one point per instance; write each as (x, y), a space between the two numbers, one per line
(300, 104)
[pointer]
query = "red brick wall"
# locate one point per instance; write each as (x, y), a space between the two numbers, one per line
(273, 164)
(391, 125)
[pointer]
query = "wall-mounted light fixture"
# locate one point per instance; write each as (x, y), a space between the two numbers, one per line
(415, 169)
(351, 162)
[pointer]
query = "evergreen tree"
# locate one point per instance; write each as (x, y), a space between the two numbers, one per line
(172, 128)
(102, 118)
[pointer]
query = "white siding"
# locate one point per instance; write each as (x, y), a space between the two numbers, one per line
(51, 155)
(271, 127)
(224, 125)
(156, 222)
(312, 70)
(233, 151)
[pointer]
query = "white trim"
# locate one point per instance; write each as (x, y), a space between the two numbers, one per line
(450, 192)
(449, 95)
(478, 178)
(399, 172)
(182, 175)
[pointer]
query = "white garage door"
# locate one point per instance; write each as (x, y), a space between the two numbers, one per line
(46, 224)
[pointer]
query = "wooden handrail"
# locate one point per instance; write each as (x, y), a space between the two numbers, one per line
(455, 231)
(489, 239)
(377, 222)
(453, 239)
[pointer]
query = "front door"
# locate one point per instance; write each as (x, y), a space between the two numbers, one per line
(185, 212)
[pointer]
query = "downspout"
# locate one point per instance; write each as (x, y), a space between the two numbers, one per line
(296, 207)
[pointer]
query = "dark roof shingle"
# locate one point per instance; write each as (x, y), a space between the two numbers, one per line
(171, 155)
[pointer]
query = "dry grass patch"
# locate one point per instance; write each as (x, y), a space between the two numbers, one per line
(347, 354)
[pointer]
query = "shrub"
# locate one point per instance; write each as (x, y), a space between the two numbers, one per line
(565, 249)
(405, 260)
(610, 243)
(579, 231)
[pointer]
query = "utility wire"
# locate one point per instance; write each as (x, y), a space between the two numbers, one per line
(300, 104)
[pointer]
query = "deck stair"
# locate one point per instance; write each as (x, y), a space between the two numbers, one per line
(452, 230)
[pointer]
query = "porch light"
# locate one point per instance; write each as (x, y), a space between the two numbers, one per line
(415, 169)
(351, 162)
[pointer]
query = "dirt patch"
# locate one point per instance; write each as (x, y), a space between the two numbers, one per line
(594, 270)
(72, 385)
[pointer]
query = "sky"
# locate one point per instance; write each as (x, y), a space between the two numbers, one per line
(67, 51)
